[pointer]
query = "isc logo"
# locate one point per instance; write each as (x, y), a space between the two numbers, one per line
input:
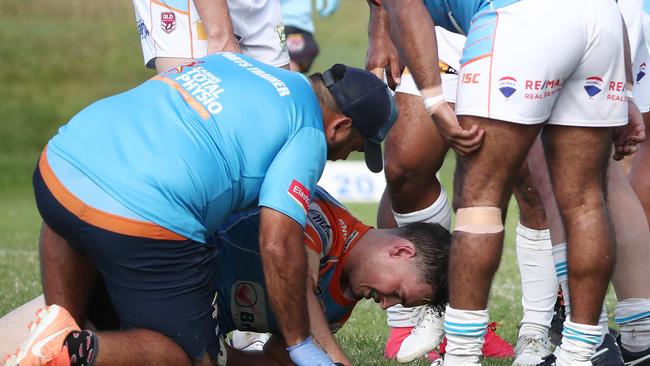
(471, 78)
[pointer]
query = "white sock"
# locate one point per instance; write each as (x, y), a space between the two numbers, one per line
(438, 213)
(538, 280)
(562, 272)
(633, 318)
(579, 342)
(465, 330)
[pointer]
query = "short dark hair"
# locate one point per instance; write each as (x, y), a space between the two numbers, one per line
(432, 244)
(323, 94)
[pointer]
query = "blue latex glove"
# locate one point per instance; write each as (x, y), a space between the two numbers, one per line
(326, 7)
(307, 353)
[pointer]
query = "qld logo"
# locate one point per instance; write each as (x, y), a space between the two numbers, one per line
(593, 86)
(641, 73)
(245, 295)
(507, 86)
(168, 21)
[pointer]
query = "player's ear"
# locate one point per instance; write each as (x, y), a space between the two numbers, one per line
(339, 128)
(402, 250)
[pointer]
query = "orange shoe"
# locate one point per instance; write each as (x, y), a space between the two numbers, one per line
(45, 343)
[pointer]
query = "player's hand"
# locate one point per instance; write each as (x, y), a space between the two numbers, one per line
(627, 138)
(382, 57)
(326, 7)
(464, 142)
(307, 353)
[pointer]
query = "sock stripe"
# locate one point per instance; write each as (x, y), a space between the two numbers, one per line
(581, 339)
(577, 335)
(466, 325)
(630, 318)
(467, 330)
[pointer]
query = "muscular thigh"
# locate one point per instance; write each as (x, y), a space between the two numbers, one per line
(413, 145)
(577, 161)
(485, 178)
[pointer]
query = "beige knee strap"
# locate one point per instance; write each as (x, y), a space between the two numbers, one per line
(479, 220)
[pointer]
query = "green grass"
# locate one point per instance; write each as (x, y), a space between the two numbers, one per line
(58, 57)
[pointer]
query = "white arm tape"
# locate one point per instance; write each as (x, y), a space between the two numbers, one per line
(433, 101)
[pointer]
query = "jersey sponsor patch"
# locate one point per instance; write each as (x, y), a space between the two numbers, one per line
(507, 86)
(248, 306)
(593, 85)
(641, 72)
(168, 21)
(300, 194)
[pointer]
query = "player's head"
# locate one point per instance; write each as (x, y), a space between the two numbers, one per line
(406, 265)
(358, 111)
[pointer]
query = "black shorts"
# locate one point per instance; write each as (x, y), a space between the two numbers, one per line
(302, 46)
(164, 285)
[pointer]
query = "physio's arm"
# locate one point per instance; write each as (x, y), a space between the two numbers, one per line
(320, 329)
(216, 20)
(285, 270)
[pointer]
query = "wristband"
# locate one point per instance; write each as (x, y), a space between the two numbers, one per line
(432, 98)
(629, 94)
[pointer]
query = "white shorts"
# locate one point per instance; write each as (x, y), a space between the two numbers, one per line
(559, 61)
(450, 49)
(635, 21)
(172, 28)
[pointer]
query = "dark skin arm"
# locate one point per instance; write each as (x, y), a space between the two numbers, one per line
(382, 55)
(285, 271)
(412, 32)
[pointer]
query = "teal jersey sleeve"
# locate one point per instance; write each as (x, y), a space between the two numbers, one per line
(293, 174)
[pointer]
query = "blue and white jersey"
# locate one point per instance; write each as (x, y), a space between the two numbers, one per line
(204, 140)
(242, 300)
(456, 15)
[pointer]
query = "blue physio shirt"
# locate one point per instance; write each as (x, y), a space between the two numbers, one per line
(201, 141)
(297, 13)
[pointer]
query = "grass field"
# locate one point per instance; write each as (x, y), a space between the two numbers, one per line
(59, 56)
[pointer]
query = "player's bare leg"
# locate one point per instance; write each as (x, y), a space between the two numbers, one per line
(415, 151)
(536, 268)
(631, 272)
(482, 179)
(67, 275)
(577, 159)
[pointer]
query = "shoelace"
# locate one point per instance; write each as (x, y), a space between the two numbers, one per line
(530, 343)
(421, 313)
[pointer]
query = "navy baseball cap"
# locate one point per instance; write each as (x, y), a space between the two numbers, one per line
(364, 98)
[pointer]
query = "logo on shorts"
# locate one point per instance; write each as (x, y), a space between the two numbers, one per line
(168, 21)
(641, 73)
(507, 86)
(142, 29)
(593, 86)
(300, 194)
(245, 295)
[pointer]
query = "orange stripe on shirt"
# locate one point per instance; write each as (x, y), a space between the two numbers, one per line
(200, 109)
(99, 218)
